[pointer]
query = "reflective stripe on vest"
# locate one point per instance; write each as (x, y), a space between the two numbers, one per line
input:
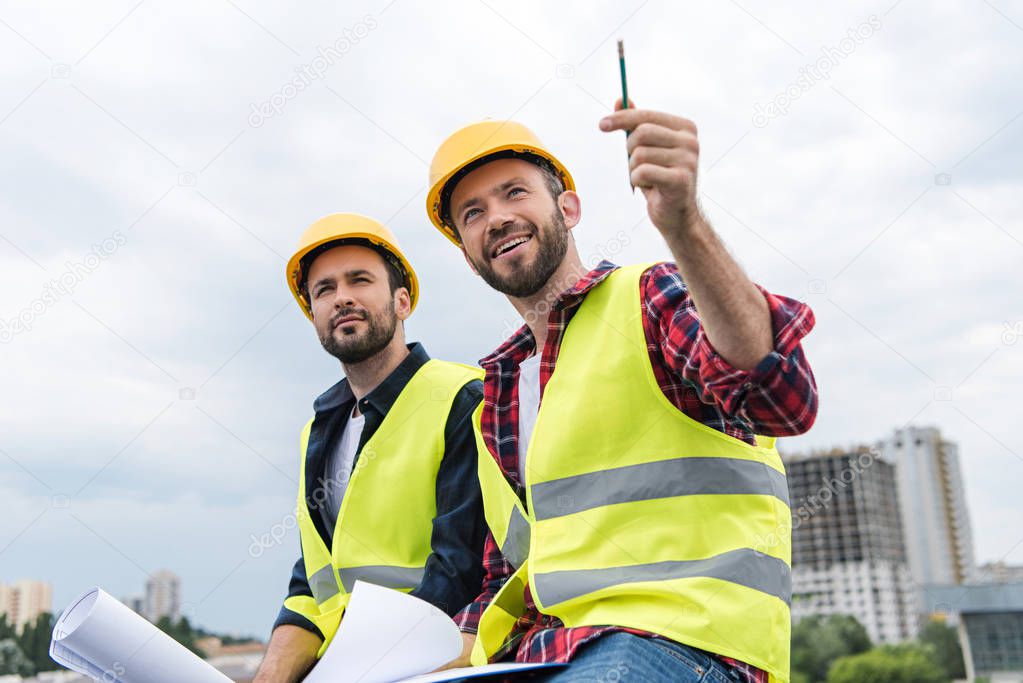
(743, 566)
(516, 543)
(401, 578)
(637, 515)
(385, 523)
(659, 479)
(323, 584)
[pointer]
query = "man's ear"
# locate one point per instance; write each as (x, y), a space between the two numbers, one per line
(571, 208)
(465, 255)
(402, 304)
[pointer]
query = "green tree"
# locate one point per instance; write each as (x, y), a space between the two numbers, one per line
(35, 642)
(945, 642)
(910, 663)
(6, 628)
(13, 660)
(818, 641)
(181, 631)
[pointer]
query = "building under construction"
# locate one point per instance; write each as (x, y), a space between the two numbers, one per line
(848, 552)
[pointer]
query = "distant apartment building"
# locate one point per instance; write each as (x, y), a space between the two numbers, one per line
(23, 601)
(847, 542)
(999, 572)
(136, 603)
(163, 596)
(935, 519)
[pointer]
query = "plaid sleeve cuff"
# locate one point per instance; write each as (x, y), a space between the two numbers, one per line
(791, 320)
(779, 395)
(468, 620)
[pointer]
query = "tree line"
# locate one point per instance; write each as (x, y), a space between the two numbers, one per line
(837, 649)
(28, 653)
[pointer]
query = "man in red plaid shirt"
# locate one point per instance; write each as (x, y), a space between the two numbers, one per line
(726, 355)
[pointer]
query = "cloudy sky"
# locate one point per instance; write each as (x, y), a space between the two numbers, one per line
(159, 162)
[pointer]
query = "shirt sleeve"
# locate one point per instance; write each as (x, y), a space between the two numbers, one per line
(454, 568)
(776, 398)
(496, 570)
(298, 585)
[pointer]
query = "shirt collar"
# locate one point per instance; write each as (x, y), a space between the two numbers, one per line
(521, 343)
(385, 393)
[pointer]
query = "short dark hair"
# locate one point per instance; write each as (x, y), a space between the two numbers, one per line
(396, 276)
(552, 180)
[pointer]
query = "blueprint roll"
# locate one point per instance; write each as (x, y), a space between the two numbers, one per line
(105, 640)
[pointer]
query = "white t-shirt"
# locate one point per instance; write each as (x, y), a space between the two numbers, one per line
(529, 406)
(339, 466)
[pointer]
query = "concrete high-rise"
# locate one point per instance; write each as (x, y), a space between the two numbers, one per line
(25, 600)
(935, 519)
(163, 596)
(847, 542)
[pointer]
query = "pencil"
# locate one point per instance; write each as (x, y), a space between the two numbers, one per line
(625, 96)
(621, 68)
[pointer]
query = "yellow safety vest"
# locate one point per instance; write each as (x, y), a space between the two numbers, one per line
(383, 529)
(637, 515)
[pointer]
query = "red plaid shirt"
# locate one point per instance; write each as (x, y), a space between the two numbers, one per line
(777, 398)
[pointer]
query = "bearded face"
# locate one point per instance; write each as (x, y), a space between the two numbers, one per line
(352, 302)
(512, 230)
(516, 271)
(351, 342)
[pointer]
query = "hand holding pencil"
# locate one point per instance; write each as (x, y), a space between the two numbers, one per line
(663, 160)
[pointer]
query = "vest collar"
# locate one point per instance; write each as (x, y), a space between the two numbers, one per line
(521, 344)
(385, 394)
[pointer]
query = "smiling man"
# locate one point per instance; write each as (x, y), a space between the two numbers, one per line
(387, 491)
(627, 457)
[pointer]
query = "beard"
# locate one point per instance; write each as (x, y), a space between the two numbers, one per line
(357, 347)
(529, 278)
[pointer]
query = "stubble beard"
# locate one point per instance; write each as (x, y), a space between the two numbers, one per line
(528, 279)
(355, 348)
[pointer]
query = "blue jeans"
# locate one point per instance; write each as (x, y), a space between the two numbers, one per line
(626, 658)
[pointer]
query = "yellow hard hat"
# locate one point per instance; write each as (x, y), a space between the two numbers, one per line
(468, 145)
(348, 226)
